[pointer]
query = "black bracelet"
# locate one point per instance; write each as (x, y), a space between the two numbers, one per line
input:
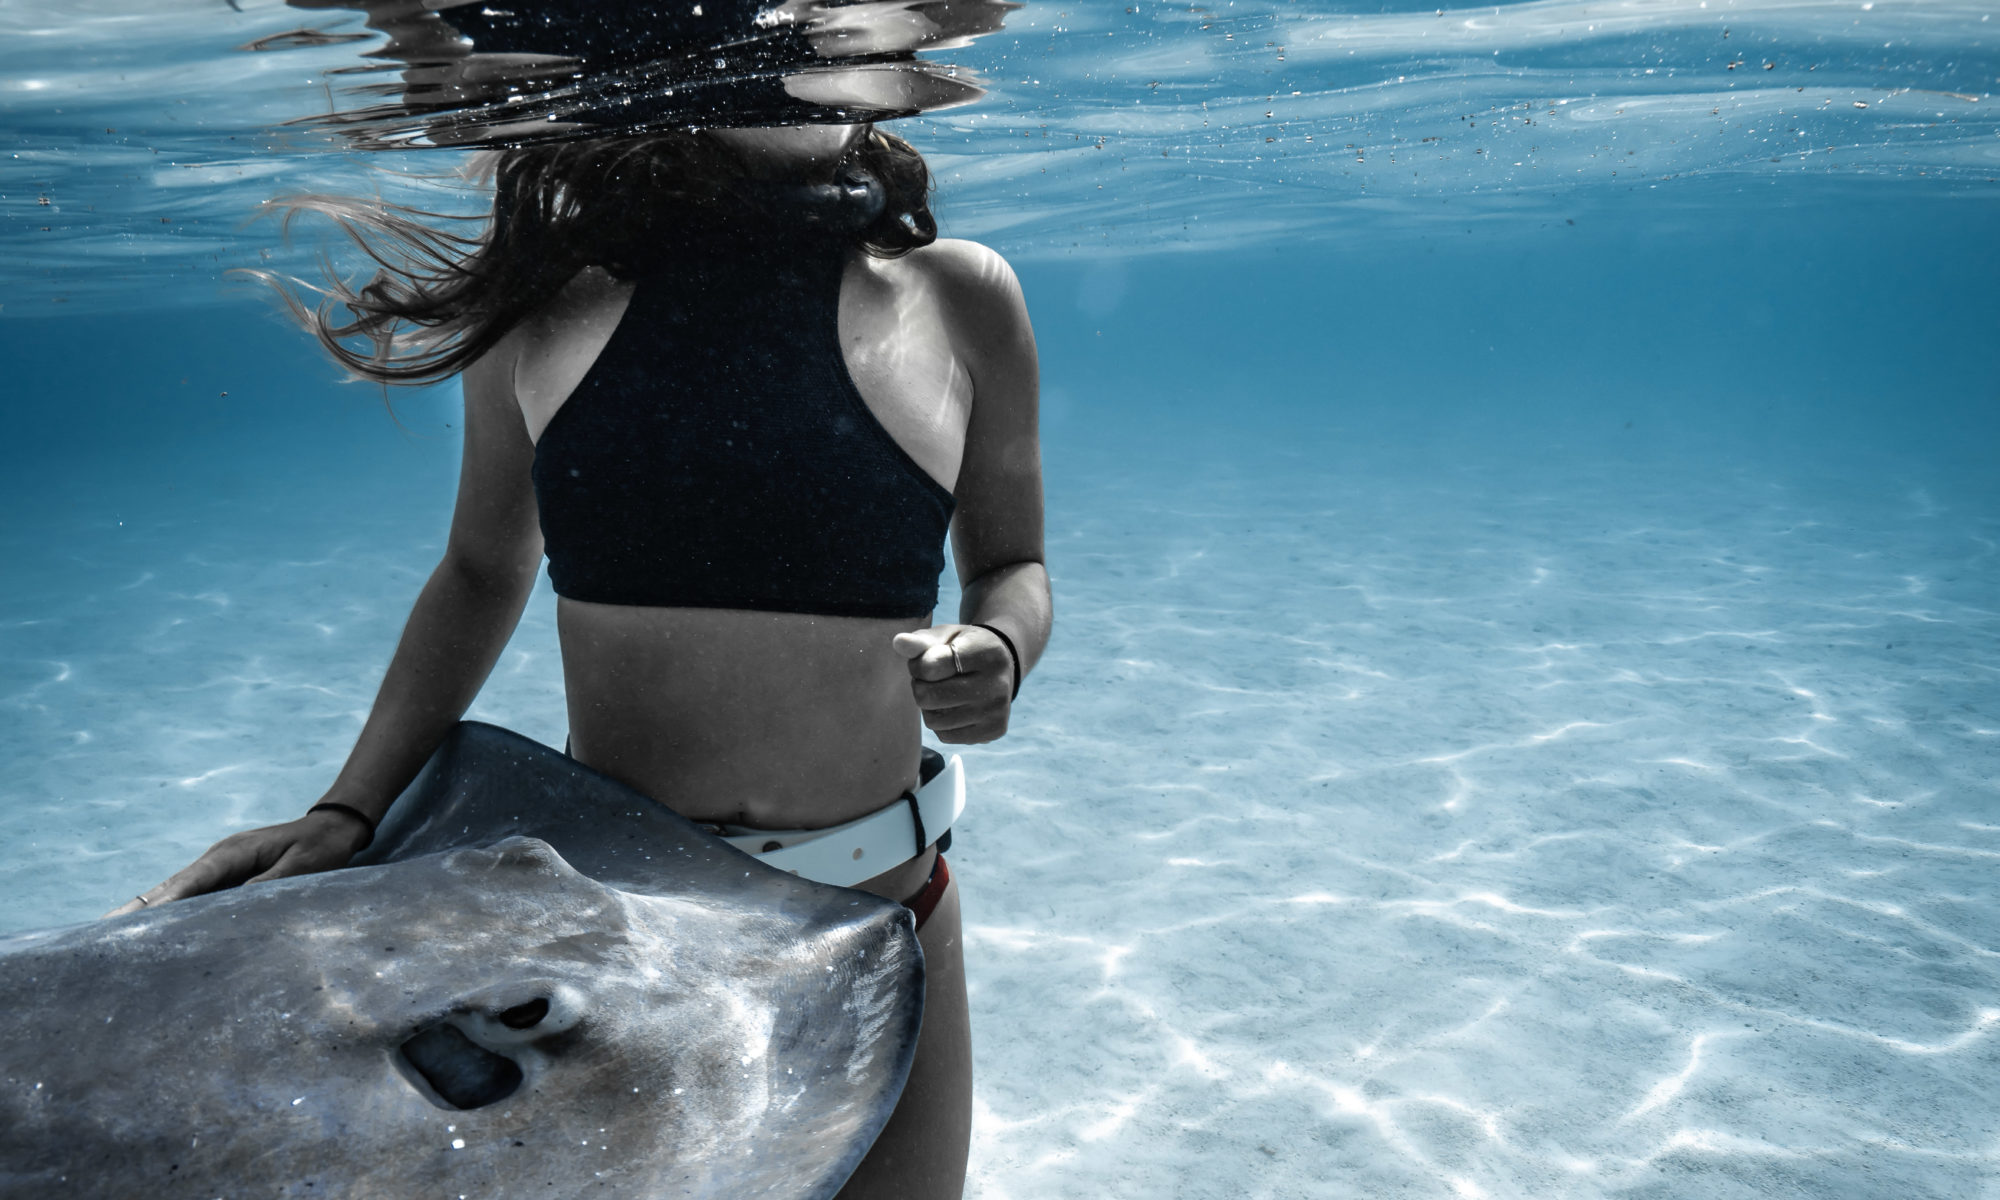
(351, 811)
(1011, 653)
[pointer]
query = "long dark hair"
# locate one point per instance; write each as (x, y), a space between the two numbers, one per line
(439, 297)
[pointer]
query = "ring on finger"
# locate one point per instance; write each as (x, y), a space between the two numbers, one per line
(141, 898)
(957, 664)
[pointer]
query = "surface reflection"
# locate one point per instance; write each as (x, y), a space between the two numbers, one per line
(458, 74)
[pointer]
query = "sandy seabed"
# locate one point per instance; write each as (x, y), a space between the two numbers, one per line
(1560, 831)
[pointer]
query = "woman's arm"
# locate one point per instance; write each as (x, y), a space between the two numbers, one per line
(460, 623)
(469, 607)
(997, 531)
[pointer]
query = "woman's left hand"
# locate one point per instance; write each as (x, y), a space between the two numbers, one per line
(963, 679)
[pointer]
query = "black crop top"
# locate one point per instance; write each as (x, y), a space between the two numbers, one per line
(717, 454)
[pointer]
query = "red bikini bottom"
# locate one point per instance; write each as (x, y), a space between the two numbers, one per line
(925, 902)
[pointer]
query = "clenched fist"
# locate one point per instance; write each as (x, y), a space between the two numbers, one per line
(963, 679)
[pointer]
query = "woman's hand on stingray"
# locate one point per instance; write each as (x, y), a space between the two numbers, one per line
(963, 679)
(316, 842)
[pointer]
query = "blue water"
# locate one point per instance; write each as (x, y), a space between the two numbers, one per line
(1524, 719)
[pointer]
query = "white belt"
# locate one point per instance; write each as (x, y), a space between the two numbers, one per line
(844, 855)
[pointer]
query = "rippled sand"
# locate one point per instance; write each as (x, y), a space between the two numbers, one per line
(1608, 831)
(1549, 832)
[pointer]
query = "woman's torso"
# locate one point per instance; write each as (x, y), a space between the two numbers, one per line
(769, 718)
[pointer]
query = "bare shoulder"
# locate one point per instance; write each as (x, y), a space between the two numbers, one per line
(585, 302)
(543, 357)
(962, 259)
(967, 273)
(980, 298)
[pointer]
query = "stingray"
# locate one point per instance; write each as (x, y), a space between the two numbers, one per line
(536, 981)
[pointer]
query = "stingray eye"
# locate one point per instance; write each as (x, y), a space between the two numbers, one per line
(525, 1016)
